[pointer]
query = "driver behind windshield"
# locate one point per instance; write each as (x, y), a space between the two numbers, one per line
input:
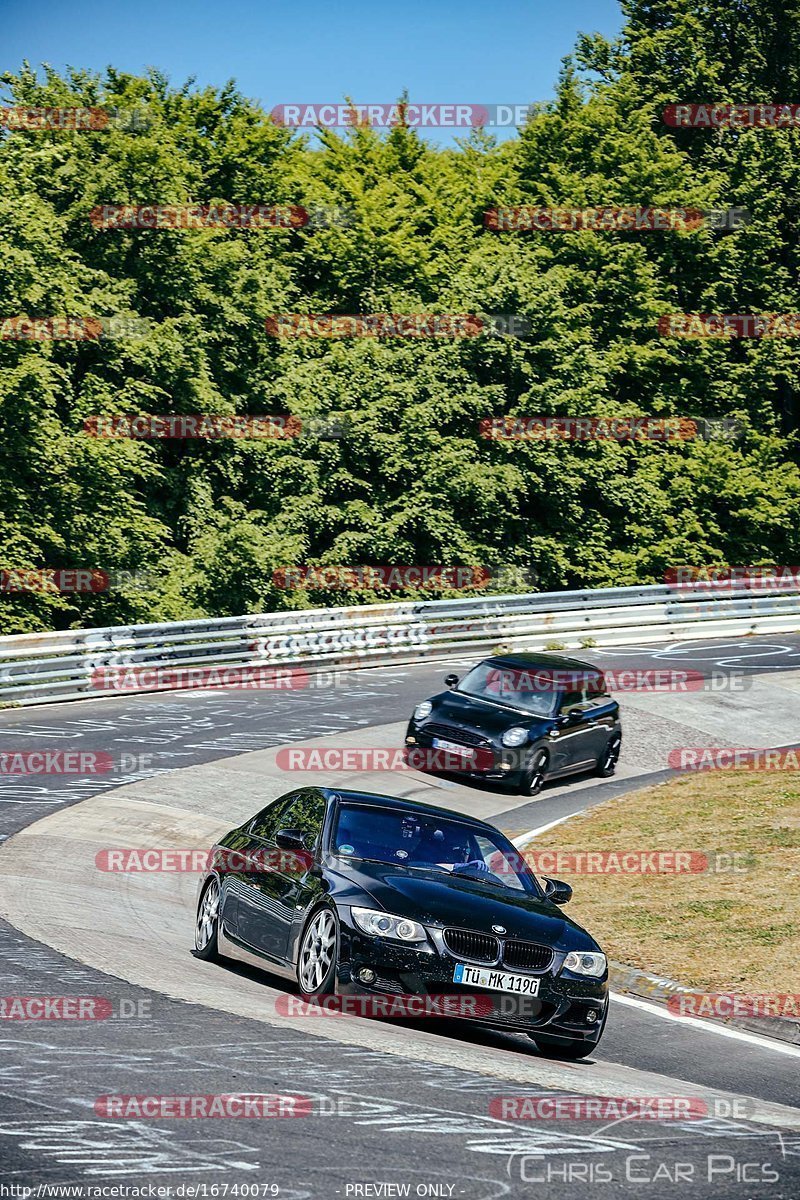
(435, 849)
(535, 694)
(413, 841)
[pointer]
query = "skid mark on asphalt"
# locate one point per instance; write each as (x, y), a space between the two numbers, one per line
(178, 734)
(748, 654)
(106, 1149)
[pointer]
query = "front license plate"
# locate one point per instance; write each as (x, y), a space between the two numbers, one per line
(452, 747)
(496, 981)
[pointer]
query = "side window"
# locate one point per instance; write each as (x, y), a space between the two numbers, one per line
(498, 864)
(270, 819)
(570, 699)
(597, 687)
(306, 812)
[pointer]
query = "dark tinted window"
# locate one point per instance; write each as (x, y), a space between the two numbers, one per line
(534, 691)
(423, 842)
(269, 820)
(580, 692)
(597, 686)
(306, 813)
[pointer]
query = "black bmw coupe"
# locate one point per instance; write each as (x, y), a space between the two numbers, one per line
(520, 719)
(355, 894)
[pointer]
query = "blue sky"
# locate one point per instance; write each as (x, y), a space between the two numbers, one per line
(440, 50)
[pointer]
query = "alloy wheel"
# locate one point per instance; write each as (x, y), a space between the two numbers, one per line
(317, 951)
(535, 780)
(609, 760)
(207, 915)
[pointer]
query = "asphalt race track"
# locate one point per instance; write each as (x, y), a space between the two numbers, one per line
(395, 1106)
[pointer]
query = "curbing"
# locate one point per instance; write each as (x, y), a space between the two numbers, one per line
(631, 980)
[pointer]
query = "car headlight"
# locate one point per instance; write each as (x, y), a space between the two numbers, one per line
(583, 963)
(515, 736)
(423, 710)
(383, 924)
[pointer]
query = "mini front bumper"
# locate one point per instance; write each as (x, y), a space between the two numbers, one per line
(566, 1006)
(493, 761)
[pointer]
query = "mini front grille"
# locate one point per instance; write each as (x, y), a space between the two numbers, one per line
(480, 947)
(462, 737)
(527, 955)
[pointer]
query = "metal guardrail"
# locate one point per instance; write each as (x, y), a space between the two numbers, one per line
(37, 668)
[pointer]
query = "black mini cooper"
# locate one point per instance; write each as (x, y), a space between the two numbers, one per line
(404, 909)
(521, 719)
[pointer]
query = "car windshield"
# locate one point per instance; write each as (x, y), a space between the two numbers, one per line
(418, 841)
(536, 691)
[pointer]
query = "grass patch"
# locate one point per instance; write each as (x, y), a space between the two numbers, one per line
(735, 930)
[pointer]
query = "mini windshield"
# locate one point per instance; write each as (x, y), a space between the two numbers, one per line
(535, 691)
(417, 841)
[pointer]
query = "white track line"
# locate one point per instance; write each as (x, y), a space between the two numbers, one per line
(764, 1043)
(526, 837)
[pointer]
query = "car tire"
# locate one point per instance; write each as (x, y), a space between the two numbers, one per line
(607, 762)
(318, 955)
(206, 929)
(533, 779)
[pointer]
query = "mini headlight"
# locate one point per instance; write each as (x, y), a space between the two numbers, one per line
(382, 924)
(584, 963)
(514, 736)
(423, 710)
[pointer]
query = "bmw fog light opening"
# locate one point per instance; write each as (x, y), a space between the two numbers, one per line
(516, 736)
(382, 924)
(422, 710)
(585, 963)
(366, 975)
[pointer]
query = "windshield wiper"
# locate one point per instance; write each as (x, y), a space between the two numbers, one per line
(363, 858)
(502, 704)
(467, 872)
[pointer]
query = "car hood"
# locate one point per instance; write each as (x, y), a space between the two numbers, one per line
(489, 718)
(437, 899)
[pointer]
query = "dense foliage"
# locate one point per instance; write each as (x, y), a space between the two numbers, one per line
(207, 523)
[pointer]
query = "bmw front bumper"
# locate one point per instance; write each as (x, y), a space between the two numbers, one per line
(566, 1006)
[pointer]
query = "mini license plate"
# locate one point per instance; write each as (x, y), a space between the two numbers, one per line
(452, 747)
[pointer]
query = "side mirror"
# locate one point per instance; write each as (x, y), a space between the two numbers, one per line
(556, 891)
(450, 680)
(569, 718)
(290, 839)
